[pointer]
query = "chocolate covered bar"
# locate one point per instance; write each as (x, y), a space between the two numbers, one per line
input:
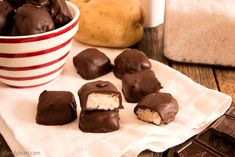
(36, 20)
(16, 3)
(138, 85)
(6, 17)
(91, 63)
(101, 95)
(129, 62)
(56, 108)
(59, 12)
(38, 2)
(157, 108)
(99, 121)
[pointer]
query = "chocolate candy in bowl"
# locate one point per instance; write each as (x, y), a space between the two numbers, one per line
(33, 60)
(30, 19)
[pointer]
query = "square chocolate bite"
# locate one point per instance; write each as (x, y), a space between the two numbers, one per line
(91, 63)
(56, 108)
(138, 85)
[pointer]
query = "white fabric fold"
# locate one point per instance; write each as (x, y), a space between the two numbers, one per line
(199, 107)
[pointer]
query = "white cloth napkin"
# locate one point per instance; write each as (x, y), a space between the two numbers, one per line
(199, 107)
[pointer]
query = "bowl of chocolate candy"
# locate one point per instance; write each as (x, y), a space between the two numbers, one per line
(35, 40)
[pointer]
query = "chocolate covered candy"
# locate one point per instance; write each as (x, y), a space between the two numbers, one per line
(16, 3)
(99, 121)
(129, 62)
(101, 95)
(56, 108)
(91, 63)
(38, 2)
(157, 108)
(6, 17)
(31, 19)
(59, 12)
(138, 85)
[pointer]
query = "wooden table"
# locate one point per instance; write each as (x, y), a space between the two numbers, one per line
(218, 78)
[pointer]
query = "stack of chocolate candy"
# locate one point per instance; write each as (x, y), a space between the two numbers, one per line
(100, 103)
(140, 85)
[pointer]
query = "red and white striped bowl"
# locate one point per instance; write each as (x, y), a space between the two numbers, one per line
(34, 60)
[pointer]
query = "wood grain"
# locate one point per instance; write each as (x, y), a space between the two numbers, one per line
(225, 78)
(152, 44)
(199, 73)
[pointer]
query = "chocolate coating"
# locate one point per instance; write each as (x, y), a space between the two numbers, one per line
(56, 108)
(162, 103)
(129, 62)
(6, 17)
(99, 121)
(36, 20)
(59, 12)
(16, 3)
(138, 85)
(38, 2)
(97, 87)
(91, 63)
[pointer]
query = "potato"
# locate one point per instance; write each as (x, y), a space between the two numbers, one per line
(110, 23)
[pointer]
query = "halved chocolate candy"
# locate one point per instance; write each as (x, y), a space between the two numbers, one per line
(99, 95)
(157, 108)
(129, 62)
(99, 121)
(91, 63)
(138, 85)
(56, 108)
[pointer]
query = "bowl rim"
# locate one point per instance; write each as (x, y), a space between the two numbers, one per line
(55, 31)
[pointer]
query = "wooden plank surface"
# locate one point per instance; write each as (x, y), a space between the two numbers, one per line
(222, 79)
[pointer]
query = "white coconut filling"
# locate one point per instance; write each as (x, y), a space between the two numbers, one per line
(148, 115)
(102, 101)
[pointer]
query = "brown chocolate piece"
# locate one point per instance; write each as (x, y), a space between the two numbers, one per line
(99, 121)
(129, 62)
(231, 112)
(59, 12)
(99, 95)
(216, 143)
(213, 139)
(91, 63)
(6, 17)
(36, 20)
(194, 149)
(164, 104)
(225, 128)
(38, 2)
(16, 3)
(138, 85)
(56, 108)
